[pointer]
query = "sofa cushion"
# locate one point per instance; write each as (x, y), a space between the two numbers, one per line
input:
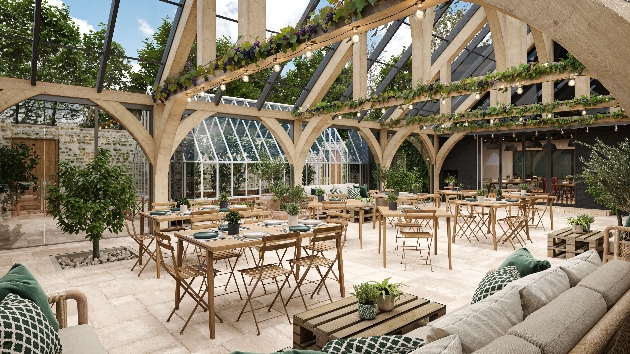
(363, 190)
(539, 289)
(80, 339)
(446, 345)
(494, 282)
(21, 282)
(373, 345)
(341, 188)
(326, 188)
(525, 262)
(578, 267)
(354, 193)
(509, 345)
(611, 280)
(479, 324)
(25, 329)
(558, 326)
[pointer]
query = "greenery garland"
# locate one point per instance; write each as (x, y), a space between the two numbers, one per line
(472, 84)
(289, 38)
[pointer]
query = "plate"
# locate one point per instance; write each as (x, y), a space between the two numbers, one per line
(222, 227)
(205, 235)
(511, 200)
(501, 202)
(311, 222)
(159, 212)
(238, 206)
(254, 234)
(274, 222)
(300, 228)
(209, 207)
(403, 207)
(174, 209)
(471, 199)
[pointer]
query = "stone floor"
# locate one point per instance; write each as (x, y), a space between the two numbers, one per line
(129, 312)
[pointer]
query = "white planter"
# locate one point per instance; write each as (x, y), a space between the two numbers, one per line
(293, 220)
(481, 198)
(578, 229)
(523, 191)
(183, 208)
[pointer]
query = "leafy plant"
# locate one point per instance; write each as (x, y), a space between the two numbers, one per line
(224, 197)
(367, 200)
(524, 186)
(287, 193)
(91, 199)
(460, 185)
(16, 172)
(233, 217)
(319, 192)
(183, 201)
(269, 169)
(381, 175)
(387, 288)
(291, 208)
(481, 192)
(498, 192)
(366, 293)
(569, 177)
(248, 203)
(392, 197)
(450, 180)
(400, 178)
(582, 219)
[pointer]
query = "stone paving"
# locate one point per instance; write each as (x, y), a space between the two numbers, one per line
(129, 312)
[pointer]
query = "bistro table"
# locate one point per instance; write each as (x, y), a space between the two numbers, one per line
(531, 196)
(447, 192)
(227, 244)
(385, 213)
(350, 204)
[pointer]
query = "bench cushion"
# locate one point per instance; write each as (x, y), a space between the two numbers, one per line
(578, 267)
(80, 339)
(446, 345)
(510, 345)
(558, 326)
(611, 280)
(539, 289)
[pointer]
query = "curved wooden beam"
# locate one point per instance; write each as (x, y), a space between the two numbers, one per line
(428, 145)
(372, 144)
(9, 98)
(441, 156)
(394, 143)
(187, 125)
(311, 132)
(283, 139)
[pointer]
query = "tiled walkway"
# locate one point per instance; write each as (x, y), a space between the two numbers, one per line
(129, 313)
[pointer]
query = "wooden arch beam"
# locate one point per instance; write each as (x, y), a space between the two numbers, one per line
(311, 132)
(372, 144)
(394, 143)
(189, 124)
(441, 156)
(9, 98)
(428, 145)
(282, 137)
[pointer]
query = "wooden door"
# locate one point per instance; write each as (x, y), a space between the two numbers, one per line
(48, 152)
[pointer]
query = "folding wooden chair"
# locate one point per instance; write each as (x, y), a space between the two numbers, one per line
(185, 275)
(537, 212)
(340, 197)
(272, 270)
(515, 228)
(140, 240)
(337, 213)
(413, 229)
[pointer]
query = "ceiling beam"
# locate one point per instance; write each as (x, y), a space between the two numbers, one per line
(36, 31)
(169, 43)
(107, 45)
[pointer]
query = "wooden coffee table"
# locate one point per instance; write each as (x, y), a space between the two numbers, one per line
(314, 328)
(566, 242)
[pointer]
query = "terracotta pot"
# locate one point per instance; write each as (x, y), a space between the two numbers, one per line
(367, 311)
(385, 303)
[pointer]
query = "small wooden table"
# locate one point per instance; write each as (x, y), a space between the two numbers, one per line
(571, 244)
(314, 328)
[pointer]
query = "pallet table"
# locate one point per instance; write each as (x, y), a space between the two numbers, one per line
(570, 244)
(314, 328)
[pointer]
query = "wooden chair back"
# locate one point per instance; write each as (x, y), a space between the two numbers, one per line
(164, 245)
(163, 205)
(277, 243)
(130, 221)
(342, 197)
(205, 221)
(323, 234)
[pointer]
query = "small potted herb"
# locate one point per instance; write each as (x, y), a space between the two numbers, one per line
(293, 210)
(183, 204)
(481, 195)
(460, 186)
(509, 178)
(233, 219)
(367, 296)
(223, 200)
(524, 188)
(320, 194)
(499, 194)
(393, 201)
(367, 201)
(388, 294)
(581, 223)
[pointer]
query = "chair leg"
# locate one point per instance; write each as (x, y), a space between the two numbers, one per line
(249, 300)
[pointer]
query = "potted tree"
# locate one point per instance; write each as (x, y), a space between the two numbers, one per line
(388, 294)
(392, 198)
(16, 174)
(524, 188)
(481, 195)
(367, 296)
(223, 200)
(91, 199)
(292, 210)
(233, 219)
(499, 194)
(581, 223)
(320, 194)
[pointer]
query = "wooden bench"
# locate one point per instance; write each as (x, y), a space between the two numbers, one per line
(314, 328)
(566, 242)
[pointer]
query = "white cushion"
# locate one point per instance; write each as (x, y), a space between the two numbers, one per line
(538, 289)
(578, 267)
(446, 345)
(80, 340)
(326, 188)
(342, 187)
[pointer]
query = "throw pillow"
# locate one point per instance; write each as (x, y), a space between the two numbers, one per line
(624, 236)
(21, 282)
(446, 345)
(25, 329)
(363, 190)
(353, 193)
(526, 264)
(335, 191)
(373, 345)
(494, 282)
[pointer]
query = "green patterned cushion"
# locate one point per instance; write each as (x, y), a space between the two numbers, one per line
(354, 193)
(373, 345)
(25, 329)
(335, 191)
(494, 282)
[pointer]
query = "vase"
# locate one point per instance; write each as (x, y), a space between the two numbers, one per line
(223, 205)
(393, 206)
(587, 228)
(499, 198)
(578, 229)
(183, 208)
(523, 191)
(233, 229)
(367, 311)
(320, 198)
(293, 220)
(385, 303)
(480, 198)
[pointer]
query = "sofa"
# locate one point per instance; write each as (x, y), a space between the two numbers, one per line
(579, 306)
(309, 190)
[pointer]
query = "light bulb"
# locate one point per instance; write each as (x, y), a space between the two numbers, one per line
(477, 96)
(520, 119)
(245, 78)
(424, 127)
(492, 135)
(355, 36)
(562, 131)
(519, 90)
(536, 132)
(444, 101)
(549, 115)
(584, 113)
(410, 106)
(189, 99)
(513, 134)
(383, 110)
(465, 124)
(615, 128)
(491, 121)
(309, 53)
(358, 114)
(572, 82)
(419, 14)
(587, 129)
(223, 88)
(277, 68)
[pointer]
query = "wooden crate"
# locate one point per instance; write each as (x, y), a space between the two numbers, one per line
(314, 328)
(565, 242)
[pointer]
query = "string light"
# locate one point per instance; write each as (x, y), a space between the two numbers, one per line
(443, 100)
(572, 82)
(355, 36)
(477, 96)
(410, 106)
(492, 135)
(309, 53)
(513, 134)
(277, 68)
(383, 110)
(584, 112)
(587, 129)
(245, 77)
(536, 132)
(562, 131)
(420, 11)
(519, 90)
(616, 128)
(491, 121)
(189, 99)
(358, 114)
(222, 87)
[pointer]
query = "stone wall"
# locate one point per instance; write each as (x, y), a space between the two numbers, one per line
(463, 159)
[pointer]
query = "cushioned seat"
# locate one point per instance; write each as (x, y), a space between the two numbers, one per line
(611, 280)
(80, 339)
(578, 267)
(539, 289)
(509, 345)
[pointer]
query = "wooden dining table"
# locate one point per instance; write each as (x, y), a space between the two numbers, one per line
(385, 213)
(227, 244)
(350, 204)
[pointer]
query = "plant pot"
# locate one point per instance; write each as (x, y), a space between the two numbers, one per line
(397, 192)
(385, 303)
(481, 198)
(320, 198)
(523, 191)
(367, 311)
(233, 229)
(183, 208)
(293, 220)
(223, 205)
(393, 206)
(578, 229)
(499, 198)
(587, 228)
(415, 191)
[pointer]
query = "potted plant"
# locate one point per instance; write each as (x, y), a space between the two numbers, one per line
(388, 294)
(460, 186)
(91, 199)
(524, 187)
(320, 194)
(509, 178)
(233, 218)
(392, 198)
(223, 200)
(581, 223)
(183, 204)
(248, 203)
(450, 181)
(367, 296)
(367, 201)
(481, 195)
(293, 210)
(415, 188)
(499, 194)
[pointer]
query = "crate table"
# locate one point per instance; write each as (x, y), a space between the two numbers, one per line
(314, 328)
(570, 244)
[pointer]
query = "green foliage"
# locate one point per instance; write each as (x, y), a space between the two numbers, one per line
(380, 175)
(233, 217)
(183, 201)
(319, 192)
(248, 203)
(450, 179)
(287, 193)
(524, 186)
(308, 175)
(387, 288)
(607, 174)
(291, 208)
(224, 197)
(366, 293)
(91, 199)
(481, 192)
(269, 169)
(582, 219)
(399, 178)
(16, 172)
(392, 197)
(498, 192)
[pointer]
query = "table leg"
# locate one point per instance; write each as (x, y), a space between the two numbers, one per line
(361, 227)
(448, 234)
(210, 285)
(178, 284)
(455, 223)
(342, 286)
(384, 242)
(551, 211)
(140, 246)
(380, 227)
(158, 251)
(494, 226)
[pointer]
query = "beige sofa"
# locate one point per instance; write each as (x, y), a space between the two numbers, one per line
(327, 187)
(579, 306)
